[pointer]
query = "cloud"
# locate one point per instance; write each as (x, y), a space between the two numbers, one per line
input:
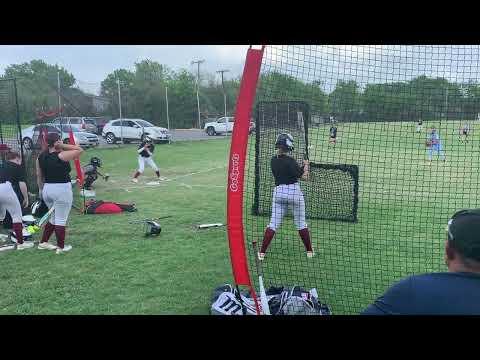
(230, 53)
(90, 64)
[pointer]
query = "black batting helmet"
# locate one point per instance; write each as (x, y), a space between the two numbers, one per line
(152, 228)
(95, 161)
(284, 141)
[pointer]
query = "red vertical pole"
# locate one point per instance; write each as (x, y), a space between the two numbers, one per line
(236, 168)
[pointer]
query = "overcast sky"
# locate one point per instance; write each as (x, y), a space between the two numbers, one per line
(374, 63)
(328, 63)
(91, 64)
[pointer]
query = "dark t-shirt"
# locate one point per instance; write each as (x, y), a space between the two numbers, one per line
(333, 132)
(144, 153)
(13, 173)
(285, 170)
(54, 169)
(430, 294)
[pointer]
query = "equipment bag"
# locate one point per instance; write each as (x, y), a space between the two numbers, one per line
(226, 301)
(296, 301)
(281, 300)
(108, 207)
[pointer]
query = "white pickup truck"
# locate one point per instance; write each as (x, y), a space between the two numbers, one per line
(223, 125)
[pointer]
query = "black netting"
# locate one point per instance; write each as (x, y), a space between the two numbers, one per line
(10, 138)
(378, 197)
(9, 121)
(331, 193)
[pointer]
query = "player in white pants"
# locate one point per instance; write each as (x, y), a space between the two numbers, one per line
(287, 192)
(145, 156)
(12, 178)
(434, 144)
(464, 132)
(9, 202)
(54, 183)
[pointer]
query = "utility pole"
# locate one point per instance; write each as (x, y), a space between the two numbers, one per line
(59, 97)
(446, 103)
(120, 109)
(224, 94)
(168, 118)
(198, 62)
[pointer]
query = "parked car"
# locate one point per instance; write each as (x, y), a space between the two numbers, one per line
(30, 135)
(223, 125)
(79, 122)
(134, 130)
(99, 122)
(82, 138)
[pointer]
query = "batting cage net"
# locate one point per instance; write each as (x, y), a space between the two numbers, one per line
(10, 138)
(390, 133)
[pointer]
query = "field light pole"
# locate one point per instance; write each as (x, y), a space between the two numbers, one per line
(198, 62)
(120, 110)
(224, 94)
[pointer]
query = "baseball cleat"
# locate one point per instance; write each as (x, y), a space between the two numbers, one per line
(261, 256)
(65, 249)
(46, 246)
(310, 254)
(25, 245)
(135, 180)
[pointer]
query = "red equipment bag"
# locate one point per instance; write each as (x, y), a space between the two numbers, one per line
(108, 207)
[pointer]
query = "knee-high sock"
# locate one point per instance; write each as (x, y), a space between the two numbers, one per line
(305, 235)
(48, 231)
(18, 228)
(60, 234)
(137, 174)
(267, 238)
(158, 173)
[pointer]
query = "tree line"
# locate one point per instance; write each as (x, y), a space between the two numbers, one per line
(422, 97)
(143, 95)
(142, 90)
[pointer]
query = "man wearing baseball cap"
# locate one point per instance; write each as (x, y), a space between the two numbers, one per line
(456, 292)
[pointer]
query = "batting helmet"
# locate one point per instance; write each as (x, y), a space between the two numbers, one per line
(284, 141)
(152, 228)
(95, 161)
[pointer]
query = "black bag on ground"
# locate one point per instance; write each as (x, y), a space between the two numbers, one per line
(281, 301)
(296, 301)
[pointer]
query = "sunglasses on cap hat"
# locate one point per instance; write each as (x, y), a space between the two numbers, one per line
(457, 215)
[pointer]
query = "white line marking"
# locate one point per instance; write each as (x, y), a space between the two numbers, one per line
(153, 183)
(186, 185)
(196, 173)
(149, 184)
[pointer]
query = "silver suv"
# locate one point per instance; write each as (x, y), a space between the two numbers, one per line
(79, 122)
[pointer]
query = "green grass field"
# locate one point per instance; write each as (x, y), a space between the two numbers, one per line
(112, 268)
(404, 204)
